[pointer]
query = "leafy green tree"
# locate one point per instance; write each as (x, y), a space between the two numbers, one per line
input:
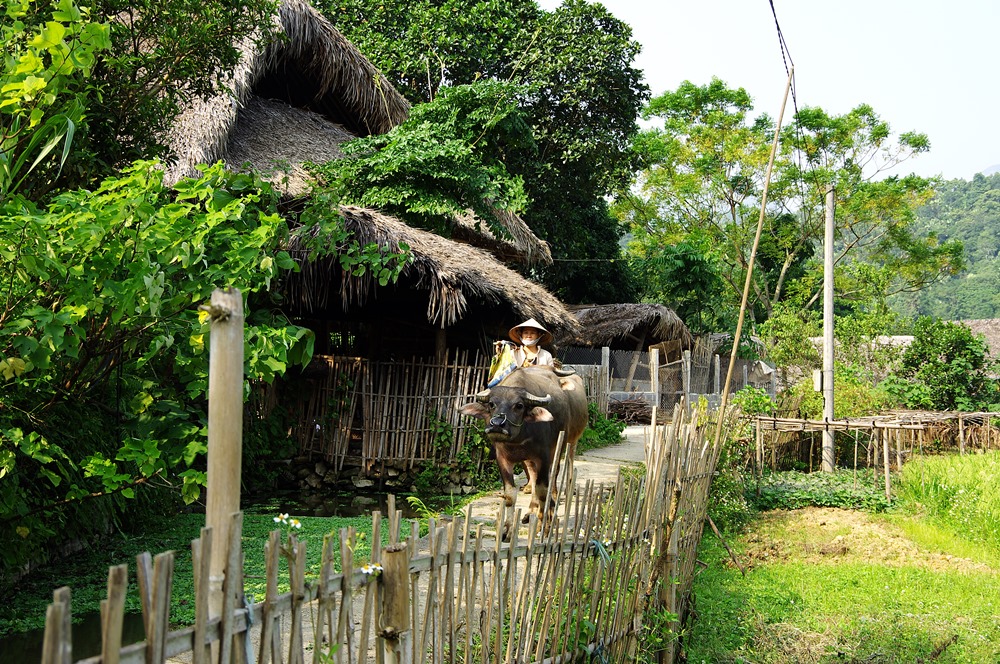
(968, 212)
(580, 96)
(163, 54)
(49, 53)
(441, 162)
(705, 174)
(100, 332)
(945, 368)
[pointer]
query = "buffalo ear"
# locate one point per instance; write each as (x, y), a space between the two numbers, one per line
(538, 414)
(475, 409)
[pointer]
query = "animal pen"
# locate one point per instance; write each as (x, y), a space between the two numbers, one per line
(451, 591)
(890, 439)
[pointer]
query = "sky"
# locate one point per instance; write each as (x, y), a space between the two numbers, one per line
(929, 67)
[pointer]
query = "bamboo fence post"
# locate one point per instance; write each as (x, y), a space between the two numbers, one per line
(201, 556)
(296, 574)
(270, 638)
(323, 599)
(885, 464)
(961, 434)
(112, 614)
(855, 459)
(396, 633)
(225, 431)
(899, 449)
(57, 646)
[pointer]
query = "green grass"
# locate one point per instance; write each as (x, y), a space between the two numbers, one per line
(86, 573)
(797, 607)
(915, 582)
(958, 493)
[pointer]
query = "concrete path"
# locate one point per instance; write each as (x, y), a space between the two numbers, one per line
(599, 465)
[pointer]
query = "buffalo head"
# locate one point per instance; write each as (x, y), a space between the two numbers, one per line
(506, 409)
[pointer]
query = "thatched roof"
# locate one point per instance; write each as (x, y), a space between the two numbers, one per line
(523, 246)
(989, 328)
(454, 275)
(605, 324)
(314, 66)
(296, 102)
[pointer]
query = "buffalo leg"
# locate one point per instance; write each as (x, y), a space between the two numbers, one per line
(509, 493)
(507, 476)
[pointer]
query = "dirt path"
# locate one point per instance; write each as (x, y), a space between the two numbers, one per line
(600, 466)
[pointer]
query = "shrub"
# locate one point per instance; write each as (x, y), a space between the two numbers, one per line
(791, 490)
(601, 431)
(945, 368)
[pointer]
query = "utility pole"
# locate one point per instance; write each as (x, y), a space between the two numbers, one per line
(828, 449)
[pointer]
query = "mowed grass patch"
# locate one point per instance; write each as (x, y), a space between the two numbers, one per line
(829, 585)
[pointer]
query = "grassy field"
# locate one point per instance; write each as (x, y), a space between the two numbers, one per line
(919, 582)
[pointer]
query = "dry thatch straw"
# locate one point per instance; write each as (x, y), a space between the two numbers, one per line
(314, 57)
(453, 273)
(313, 66)
(605, 324)
(989, 328)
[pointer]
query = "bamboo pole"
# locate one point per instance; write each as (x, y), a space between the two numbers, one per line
(112, 614)
(885, 465)
(396, 634)
(750, 262)
(225, 430)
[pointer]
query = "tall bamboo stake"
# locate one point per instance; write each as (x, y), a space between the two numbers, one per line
(750, 263)
(225, 429)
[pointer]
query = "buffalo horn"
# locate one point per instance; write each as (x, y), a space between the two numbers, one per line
(533, 401)
(483, 396)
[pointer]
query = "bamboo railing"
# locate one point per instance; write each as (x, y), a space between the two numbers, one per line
(400, 412)
(458, 593)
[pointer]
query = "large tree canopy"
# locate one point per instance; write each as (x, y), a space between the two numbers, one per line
(579, 94)
(705, 177)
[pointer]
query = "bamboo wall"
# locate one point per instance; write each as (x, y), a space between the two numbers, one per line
(613, 556)
(394, 413)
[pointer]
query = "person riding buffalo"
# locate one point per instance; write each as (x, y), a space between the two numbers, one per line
(529, 337)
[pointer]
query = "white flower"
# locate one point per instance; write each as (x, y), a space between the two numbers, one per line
(372, 569)
(281, 518)
(295, 523)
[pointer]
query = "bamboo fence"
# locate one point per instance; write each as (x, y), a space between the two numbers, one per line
(889, 440)
(582, 587)
(401, 413)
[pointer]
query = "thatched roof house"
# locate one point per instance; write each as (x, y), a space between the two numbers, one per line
(989, 328)
(627, 326)
(297, 101)
(452, 286)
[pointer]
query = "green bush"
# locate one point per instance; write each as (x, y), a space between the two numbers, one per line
(601, 431)
(791, 490)
(855, 396)
(945, 368)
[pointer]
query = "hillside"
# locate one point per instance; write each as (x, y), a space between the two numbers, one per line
(968, 211)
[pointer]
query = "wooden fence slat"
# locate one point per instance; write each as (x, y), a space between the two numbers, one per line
(232, 585)
(296, 574)
(201, 558)
(270, 649)
(113, 614)
(159, 617)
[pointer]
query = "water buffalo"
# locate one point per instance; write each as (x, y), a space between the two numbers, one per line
(524, 415)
